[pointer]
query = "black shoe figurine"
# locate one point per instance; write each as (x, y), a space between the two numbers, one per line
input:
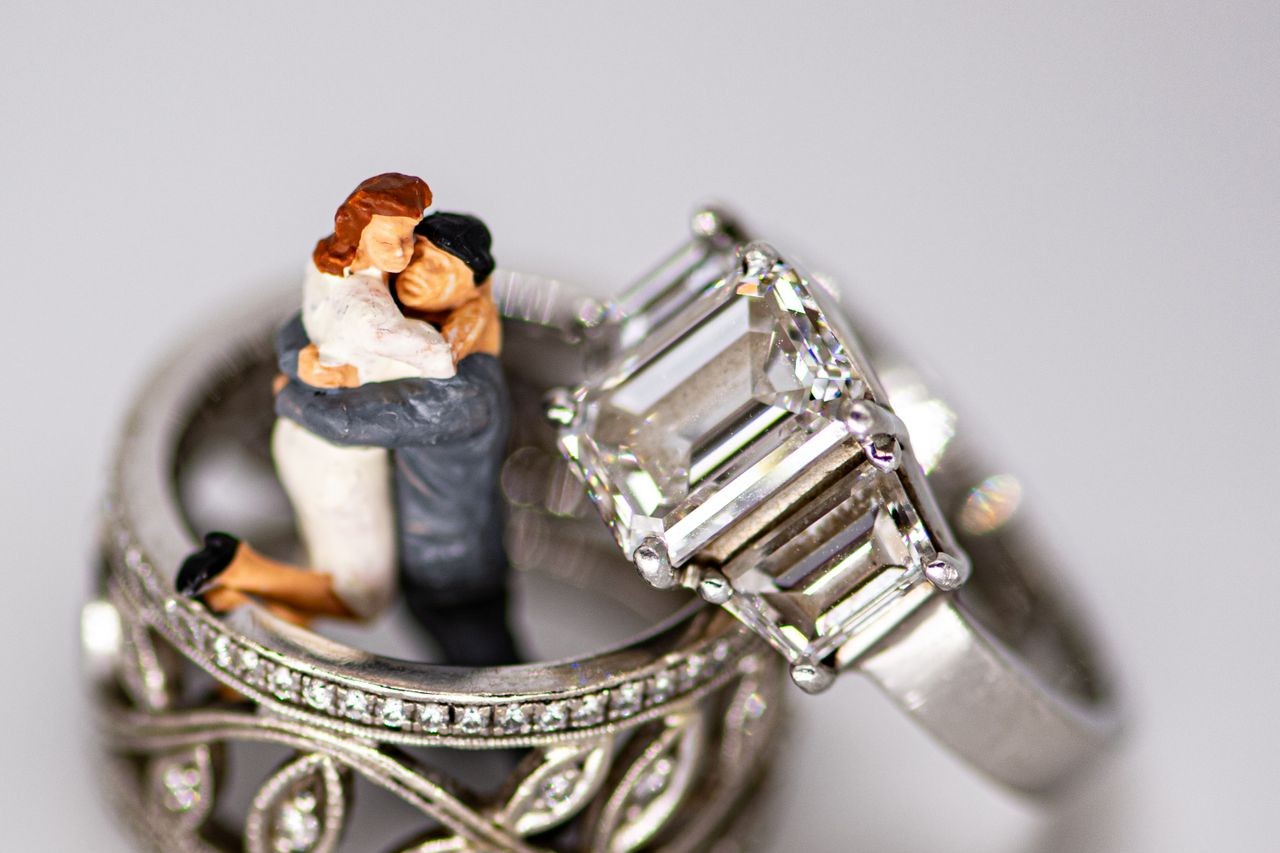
(201, 568)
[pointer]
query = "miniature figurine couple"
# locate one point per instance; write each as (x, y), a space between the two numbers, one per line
(392, 419)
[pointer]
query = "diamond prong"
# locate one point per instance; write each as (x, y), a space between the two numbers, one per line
(714, 587)
(947, 572)
(758, 257)
(866, 419)
(881, 433)
(710, 221)
(590, 313)
(812, 677)
(653, 563)
(558, 406)
(884, 452)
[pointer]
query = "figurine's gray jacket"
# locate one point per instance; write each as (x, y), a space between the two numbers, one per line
(447, 438)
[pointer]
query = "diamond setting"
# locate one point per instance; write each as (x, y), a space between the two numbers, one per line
(661, 688)
(297, 826)
(589, 710)
(433, 718)
(558, 788)
(691, 673)
(392, 713)
(183, 787)
(473, 719)
(746, 435)
(809, 584)
(713, 413)
(355, 704)
(319, 694)
(627, 700)
(553, 717)
(248, 670)
(283, 683)
(223, 651)
(513, 719)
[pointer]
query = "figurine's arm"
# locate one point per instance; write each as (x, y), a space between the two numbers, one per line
(368, 322)
(402, 413)
(474, 327)
(291, 340)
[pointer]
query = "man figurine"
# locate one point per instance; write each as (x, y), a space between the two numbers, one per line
(444, 427)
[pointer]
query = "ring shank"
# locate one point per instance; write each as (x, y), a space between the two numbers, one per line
(975, 695)
(177, 413)
(1000, 671)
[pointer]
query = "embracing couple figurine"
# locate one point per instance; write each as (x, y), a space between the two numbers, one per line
(392, 419)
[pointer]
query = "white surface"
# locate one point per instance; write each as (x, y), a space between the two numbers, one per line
(1081, 202)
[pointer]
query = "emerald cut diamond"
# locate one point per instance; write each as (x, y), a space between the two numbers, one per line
(714, 412)
(808, 584)
(746, 436)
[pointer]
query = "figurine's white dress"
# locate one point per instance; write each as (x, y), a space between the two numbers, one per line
(341, 495)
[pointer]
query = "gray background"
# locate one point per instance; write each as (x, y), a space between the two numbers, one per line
(1077, 204)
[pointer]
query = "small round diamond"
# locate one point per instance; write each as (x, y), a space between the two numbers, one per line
(198, 630)
(661, 687)
(319, 695)
(557, 789)
(297, 827)
(720, 652)
(392, 712)
(473, 720)
(512, 719)
(553, 716)
(249, 662)
(692, 672)
(181, 786)
(434, 718)
(589, 710)
(355, 704)
(655, 780)
(627, 700)
(223, 651)
(282, 683)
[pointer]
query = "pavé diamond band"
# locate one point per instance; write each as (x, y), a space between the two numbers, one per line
(738, 441)
(649, 744)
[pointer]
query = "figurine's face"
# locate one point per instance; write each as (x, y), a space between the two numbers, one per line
(387, 242)
(434, 273)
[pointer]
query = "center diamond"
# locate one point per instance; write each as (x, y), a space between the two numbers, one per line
(713, 413)
(747, 436)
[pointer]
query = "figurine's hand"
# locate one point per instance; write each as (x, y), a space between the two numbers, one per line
(312, 372)
(474, 327)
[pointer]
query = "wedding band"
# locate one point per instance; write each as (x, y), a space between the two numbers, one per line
(738, 440)
(648, 744)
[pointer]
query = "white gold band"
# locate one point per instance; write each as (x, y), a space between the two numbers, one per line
(740, 440)
(648, 744)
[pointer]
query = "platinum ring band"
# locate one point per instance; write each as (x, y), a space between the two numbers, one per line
(709, 689)
(999, 668)
(151, 536)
